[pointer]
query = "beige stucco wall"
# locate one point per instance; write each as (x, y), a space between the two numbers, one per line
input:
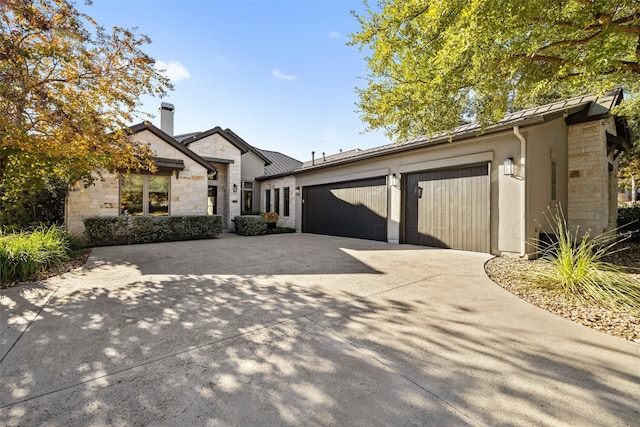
(188, 190)
(592, 187)
(251, 168)
(507, 204)
(281, 183)
(228, 201)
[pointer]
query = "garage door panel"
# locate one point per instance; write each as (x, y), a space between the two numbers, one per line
(448, 208)
(349, 209)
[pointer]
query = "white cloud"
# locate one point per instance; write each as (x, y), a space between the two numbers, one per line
(282, 76)
(175, 71)
(335, 35)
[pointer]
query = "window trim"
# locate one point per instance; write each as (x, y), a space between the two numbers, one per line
(145, 192)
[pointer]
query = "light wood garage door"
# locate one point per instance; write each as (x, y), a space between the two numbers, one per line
(448, 208)
(349, 209)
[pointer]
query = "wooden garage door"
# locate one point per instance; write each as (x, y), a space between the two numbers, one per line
(448, 208)
(349, 209)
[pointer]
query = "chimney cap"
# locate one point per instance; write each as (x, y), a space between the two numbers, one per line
(167, 106)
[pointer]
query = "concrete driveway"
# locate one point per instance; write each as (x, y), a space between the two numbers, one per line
(300, 329)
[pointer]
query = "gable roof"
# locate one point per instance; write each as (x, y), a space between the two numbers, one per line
(140, 127)
(227, 134)
(576, 110)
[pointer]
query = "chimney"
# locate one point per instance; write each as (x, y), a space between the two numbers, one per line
(166, 117)
(324, 159)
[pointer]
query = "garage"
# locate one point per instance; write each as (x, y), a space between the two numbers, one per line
(448, 208)
(348, 209)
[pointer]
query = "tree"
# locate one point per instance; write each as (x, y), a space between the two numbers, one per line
(629, 172)
(68, 90)
(434, 64)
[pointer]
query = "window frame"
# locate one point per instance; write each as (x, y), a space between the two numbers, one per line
(267, 200)
(287, 200)
(276, 200)
(145, 193)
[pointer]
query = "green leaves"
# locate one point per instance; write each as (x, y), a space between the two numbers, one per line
(65, 93)
(434, 64)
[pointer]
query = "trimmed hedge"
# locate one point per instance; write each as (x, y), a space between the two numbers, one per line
(250, 225)
(629, 222)
(128, 230)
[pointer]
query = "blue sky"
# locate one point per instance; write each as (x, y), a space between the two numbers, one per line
(278, 73)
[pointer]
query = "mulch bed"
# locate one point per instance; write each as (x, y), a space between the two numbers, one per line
(515, 275)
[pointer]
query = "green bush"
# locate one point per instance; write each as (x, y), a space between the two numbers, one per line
(122, 230)
(41, 204)
(250, 225)
(629, 222)
(27, 254)
(576, 266)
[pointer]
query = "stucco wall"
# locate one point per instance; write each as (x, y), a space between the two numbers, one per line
(281, 183)
(590, 183)
(252, 167)
(218, 147)
(188, 191)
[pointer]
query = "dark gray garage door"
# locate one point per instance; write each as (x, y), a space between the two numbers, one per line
(448, 208)
(348, 209)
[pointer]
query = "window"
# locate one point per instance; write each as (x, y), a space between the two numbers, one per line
(212, 206)
(247, 196)
(276, 200)
(267, 200)
(286, 202)
(554, 183)
(144, 195)
(212, 176)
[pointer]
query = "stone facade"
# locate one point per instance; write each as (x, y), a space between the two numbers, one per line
(592, 186)
(280, 183)
(187, 189)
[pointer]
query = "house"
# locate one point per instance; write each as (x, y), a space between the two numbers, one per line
(484, 190)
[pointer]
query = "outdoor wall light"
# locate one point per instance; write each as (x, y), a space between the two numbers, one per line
(509, 168)
(235, 188)
(297, 191)
(394, 180)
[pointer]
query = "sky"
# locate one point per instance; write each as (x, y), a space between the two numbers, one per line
(276, 72)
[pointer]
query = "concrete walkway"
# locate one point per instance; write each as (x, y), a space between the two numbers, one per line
(300, 330)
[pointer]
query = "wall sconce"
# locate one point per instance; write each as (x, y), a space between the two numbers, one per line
(509, 168)
(394, 180)
(235, 188)
(297, 191)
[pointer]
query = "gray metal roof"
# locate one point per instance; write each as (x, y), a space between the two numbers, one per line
(280, 163)
(574, 108)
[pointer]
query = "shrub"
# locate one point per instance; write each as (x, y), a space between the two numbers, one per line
(629, 222)
(103, 231)
(250, 225)
(576, 266)
(41, 204)
(27, 254)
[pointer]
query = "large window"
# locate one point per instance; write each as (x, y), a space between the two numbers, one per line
(144, 195)
(276, 201)
(286, 202)
(267, 200)
(212, 196)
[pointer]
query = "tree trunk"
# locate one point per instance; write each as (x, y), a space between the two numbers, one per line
(634, 190)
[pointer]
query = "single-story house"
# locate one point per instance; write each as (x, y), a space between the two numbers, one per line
(484, 190)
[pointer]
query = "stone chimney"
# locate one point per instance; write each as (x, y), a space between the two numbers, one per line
(166, 117)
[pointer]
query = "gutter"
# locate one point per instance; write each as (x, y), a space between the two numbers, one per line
(523, 193)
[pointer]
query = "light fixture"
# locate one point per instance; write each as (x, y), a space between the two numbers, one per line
(235, 188)
(394, 180)
(297, 191)
(508, 166)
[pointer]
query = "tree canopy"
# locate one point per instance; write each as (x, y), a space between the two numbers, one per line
(68, 90)
(435, 63)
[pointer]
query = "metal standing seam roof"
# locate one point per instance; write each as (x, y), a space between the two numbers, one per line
(598, 106)
(280, 163)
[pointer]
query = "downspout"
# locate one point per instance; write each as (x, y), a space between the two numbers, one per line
(523, 190)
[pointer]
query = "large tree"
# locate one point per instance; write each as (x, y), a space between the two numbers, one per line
(434, 64)
(68, 90)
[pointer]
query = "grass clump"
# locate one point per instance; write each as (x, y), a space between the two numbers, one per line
(25, 255)
(575, 265)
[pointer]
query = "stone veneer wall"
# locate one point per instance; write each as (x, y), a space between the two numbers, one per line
(218, 147)
(590, 182)
(281, 183)
(188, 191)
